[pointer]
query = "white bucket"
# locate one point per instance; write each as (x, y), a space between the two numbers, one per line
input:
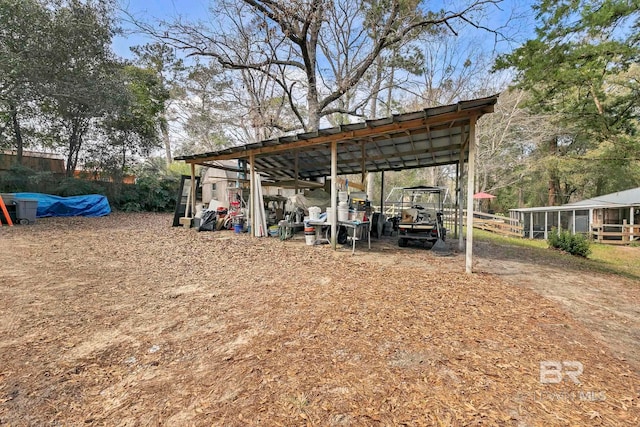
(343, 213)
(314, 213)
(342, 196)
(310, 238)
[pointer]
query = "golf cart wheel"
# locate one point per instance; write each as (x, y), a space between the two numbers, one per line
(402, 243)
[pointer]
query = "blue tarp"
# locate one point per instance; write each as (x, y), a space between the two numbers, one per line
(48, 205)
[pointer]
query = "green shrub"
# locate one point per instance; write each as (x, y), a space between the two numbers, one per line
(575, 244)
(153, 191)
(21, 179)
(78, 187)
(157, 194)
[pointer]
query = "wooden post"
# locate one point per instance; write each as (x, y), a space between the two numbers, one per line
(252, 195)
(460, 204)
(573, 222)
(455, 207)
(381, 194)
(295, 172)
(334, 194)
(193, 190)
(546, 224)
(559, 223)
(470, 186)
(531, 225)
(363, 164)
(631, 223)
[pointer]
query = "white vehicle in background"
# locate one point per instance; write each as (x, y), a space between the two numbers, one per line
(420, 216)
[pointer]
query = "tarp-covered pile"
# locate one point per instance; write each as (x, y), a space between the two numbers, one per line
(48, 205)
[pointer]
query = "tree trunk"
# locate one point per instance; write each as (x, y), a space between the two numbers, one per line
(314, 114)
(164, 129)
(124, 161)
(390, 90)
(520, 198)
(72, 158)
(17, 132)
(553, 178)
(375, 90)
(78, 128)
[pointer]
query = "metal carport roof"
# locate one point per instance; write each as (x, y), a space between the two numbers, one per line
(430, 137)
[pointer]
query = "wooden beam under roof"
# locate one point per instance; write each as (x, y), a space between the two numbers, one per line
(345, 136)
(299, 183)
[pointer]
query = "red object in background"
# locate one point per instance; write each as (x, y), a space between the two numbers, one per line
(483, 196)
(5, 212)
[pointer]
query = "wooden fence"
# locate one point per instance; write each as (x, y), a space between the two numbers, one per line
(498, 224)
(616, 234)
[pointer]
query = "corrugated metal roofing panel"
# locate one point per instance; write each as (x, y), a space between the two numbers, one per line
(410, 144)
(620, 199)
(629, 197)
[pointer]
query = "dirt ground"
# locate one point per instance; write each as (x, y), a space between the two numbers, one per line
(126, 321)
(609, 305)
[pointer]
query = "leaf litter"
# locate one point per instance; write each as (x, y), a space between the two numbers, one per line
(124, 320)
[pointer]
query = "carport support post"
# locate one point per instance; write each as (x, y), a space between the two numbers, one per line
(460, 213)
(252, 204)
(382, 195)
(295, 172)
(193, 190)
(334, 194)
(455, 207)
(470, 185)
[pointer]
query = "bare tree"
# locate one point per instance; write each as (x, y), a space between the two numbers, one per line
(506, 141)
(301, 48)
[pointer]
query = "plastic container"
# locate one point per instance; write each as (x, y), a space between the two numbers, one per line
(310, 238)
(274, 231)
(343, 196)
(343, 211)
(11, 209)
(8, 198)
(9, 201)
(237, 228)
(314, 213)
(26, 210)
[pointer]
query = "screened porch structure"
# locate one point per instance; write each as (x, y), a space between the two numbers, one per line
(610, 218)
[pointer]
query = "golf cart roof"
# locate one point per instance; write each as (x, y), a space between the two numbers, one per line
(425, 189)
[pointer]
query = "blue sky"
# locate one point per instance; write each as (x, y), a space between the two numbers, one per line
(152, 10)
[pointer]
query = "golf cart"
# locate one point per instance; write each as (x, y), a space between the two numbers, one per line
(421, 215)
